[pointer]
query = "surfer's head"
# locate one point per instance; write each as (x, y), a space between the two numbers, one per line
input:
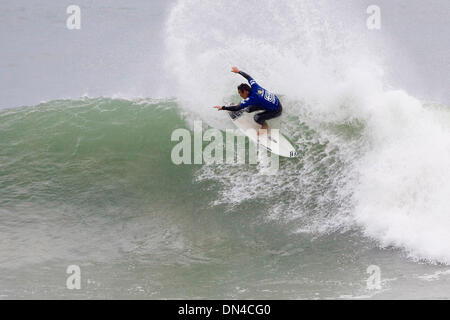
(244, 90)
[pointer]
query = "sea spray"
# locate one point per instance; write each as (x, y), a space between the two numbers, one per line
(389, 176)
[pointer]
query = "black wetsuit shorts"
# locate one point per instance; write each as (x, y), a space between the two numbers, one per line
(266, 115)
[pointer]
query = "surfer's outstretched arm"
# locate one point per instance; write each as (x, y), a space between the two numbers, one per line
(245, 75)
(229, 108)
(232, 108)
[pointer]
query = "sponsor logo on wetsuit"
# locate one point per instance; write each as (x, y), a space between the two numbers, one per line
(269, 96)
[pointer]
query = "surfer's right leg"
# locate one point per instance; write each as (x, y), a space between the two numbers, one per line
(266, 115)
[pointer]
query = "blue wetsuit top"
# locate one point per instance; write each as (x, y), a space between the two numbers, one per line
(258, 96)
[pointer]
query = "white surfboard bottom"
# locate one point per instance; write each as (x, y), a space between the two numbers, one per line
(271, 139)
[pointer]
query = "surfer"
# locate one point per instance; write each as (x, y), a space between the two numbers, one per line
(255, 98)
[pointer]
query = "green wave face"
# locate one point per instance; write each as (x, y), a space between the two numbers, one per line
(83, 151)
(91, 182)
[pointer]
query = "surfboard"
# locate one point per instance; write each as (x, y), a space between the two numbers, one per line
(273, 141)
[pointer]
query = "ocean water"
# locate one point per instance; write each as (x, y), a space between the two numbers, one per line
(87, 179)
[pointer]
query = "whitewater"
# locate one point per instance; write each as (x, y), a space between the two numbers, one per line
(87, 178)
(398, 161)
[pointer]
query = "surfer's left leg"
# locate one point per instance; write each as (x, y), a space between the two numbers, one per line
(261, 118)
(264, 126)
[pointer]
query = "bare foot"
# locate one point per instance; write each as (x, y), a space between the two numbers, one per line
(264, 128)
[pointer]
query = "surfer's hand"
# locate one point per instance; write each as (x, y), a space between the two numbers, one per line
(218, 107)
(235, 69)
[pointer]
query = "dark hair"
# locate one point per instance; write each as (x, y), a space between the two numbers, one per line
(244, 87)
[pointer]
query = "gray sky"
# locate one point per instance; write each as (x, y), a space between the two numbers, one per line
(119, 49)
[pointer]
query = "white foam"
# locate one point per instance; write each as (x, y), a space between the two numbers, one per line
(393, 181)
(435, 276)
(403, 195)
